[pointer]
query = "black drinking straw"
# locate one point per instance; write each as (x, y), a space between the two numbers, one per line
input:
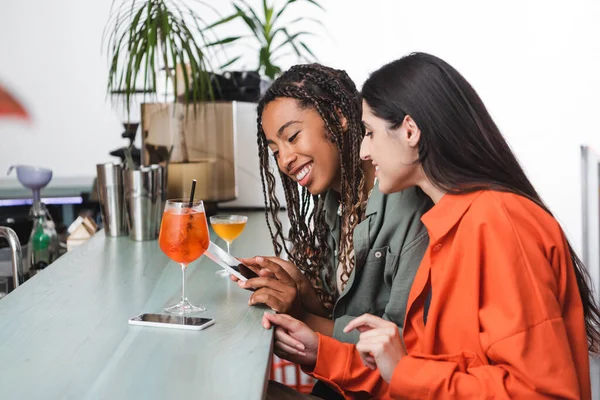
(192, 194)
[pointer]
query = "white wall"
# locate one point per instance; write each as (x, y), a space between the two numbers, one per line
(50, 57)
(534, 63)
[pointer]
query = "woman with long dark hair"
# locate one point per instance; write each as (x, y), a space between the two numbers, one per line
(501, 305)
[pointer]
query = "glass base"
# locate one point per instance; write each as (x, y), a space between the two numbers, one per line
(184, 307)
(222, 272)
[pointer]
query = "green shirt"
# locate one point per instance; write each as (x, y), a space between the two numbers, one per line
(388, 246)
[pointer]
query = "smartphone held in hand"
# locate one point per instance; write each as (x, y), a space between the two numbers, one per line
(229, 263)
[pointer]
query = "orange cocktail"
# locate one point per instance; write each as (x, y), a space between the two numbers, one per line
(183, 235)
(183, 238)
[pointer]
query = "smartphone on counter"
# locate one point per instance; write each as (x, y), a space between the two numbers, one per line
(172, 321)
(229, 263)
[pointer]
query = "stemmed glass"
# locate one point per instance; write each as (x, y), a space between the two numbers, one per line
(228, 228)
(184, 238)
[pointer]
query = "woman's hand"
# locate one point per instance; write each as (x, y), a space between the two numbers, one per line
(308, 295)
(279, 291)
(277, 288)
(257, 264)
(294, 341)
(380, 345)
(255, 267)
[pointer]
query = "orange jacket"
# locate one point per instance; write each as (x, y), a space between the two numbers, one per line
(505, 318)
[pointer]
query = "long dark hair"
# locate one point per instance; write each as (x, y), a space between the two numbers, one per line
(461, 149)
(330, 92)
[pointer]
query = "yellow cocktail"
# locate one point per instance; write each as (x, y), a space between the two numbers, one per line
(228, 228)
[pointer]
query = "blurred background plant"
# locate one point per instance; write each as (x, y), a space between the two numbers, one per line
(271, 34)
(144, 37)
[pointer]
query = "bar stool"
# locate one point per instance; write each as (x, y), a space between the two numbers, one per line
(302, 382)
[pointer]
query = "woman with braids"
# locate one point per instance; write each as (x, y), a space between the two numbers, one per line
(501, 306)
(351, 248)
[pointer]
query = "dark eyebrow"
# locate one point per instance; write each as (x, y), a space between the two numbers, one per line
(282, 128)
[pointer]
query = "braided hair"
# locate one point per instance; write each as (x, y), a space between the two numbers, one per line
(330, 92)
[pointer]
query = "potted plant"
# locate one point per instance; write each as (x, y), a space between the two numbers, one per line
(159, 50)
(147, 38)
(271, 34)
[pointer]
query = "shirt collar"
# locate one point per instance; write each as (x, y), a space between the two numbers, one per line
(332, 203)
(444, 215)
(374, 202)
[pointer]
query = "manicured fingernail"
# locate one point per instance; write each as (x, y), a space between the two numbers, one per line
(241, 283)
(303, 354)
(300, 346)
(259, 259)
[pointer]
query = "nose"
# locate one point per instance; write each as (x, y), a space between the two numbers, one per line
(286, 158)
(365, 154)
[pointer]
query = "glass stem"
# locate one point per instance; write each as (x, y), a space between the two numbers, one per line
(183, 268)
(228, 244)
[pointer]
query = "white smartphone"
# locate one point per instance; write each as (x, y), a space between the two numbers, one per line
(229, 263)
(172, 321)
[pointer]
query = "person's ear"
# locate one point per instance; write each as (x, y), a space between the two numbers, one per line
(342, 118)
(412, 133)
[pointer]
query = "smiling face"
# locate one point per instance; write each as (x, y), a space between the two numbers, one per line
(393, 152)
(297, 138)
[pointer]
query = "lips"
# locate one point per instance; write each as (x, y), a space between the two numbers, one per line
(303, 172)
(296, 170)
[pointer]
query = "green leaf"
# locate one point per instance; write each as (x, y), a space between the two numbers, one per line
(290, 39)
(265, 9)
(248, 21)
(135, 22)
(224, 41)
(260, 27)
(151, 39)
(263, 56)
(269, 69)
(283, 8)
(316, 4)
(174, 52)
(228, 63)
(316, 21)
(308, 50)
(117, 18)
(254, 17)
(293, 1)
(224, 20)
(268, 16)
(272, 71)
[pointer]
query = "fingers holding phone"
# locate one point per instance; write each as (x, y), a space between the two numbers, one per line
(251, 264)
